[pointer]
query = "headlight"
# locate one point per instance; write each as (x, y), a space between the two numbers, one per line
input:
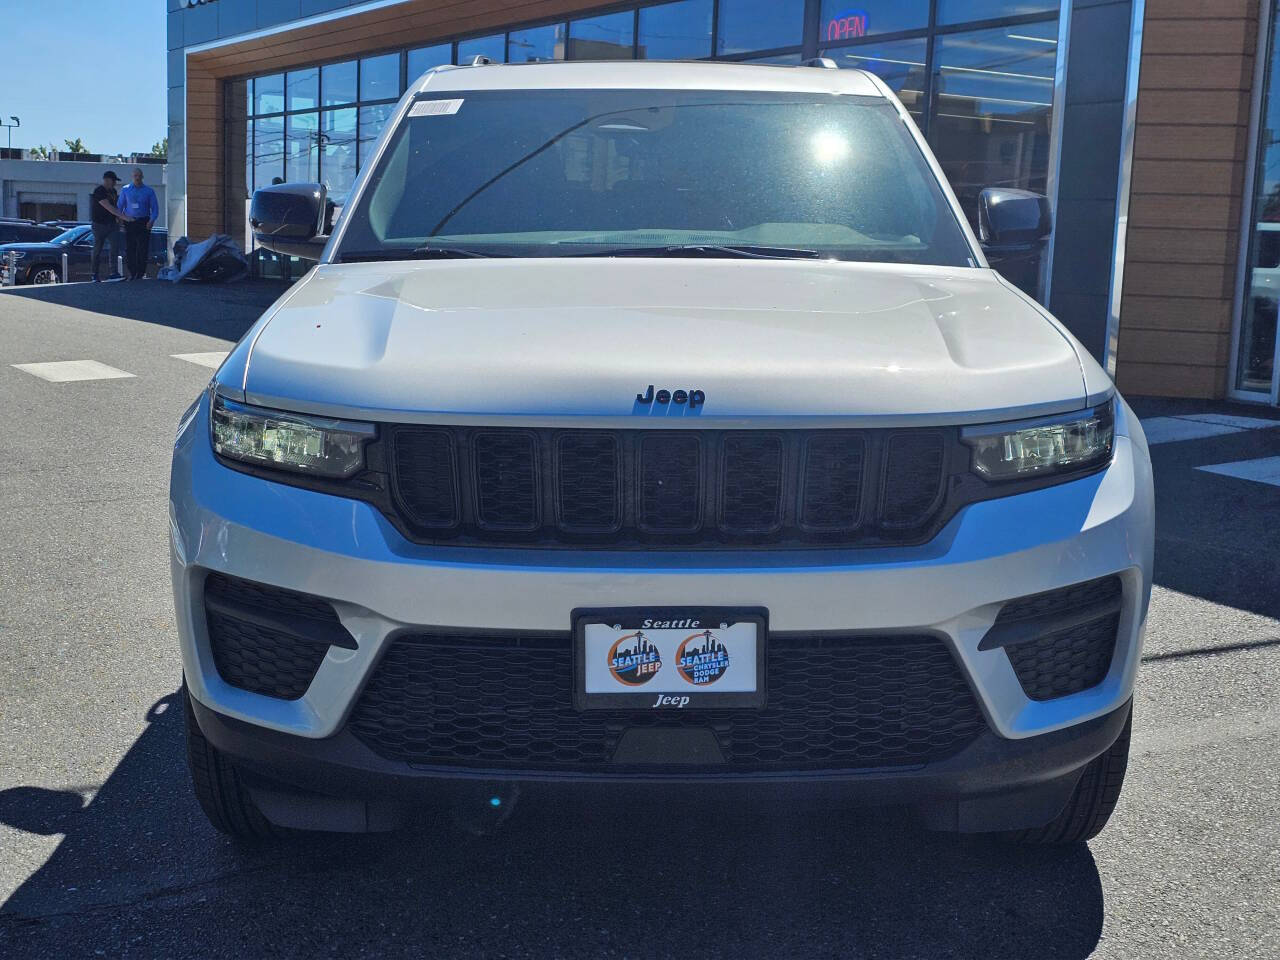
(288, 441)
(1076, 442)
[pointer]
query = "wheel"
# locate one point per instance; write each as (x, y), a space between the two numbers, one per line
(1092, 802)
(45, 273)
(218, 788)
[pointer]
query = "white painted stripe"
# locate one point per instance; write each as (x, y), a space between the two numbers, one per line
(1175, 429)
(212, 358)
(66, 371)
(1265, 470)
(1244, 423)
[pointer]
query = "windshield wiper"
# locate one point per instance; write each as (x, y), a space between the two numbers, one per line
(744, 250)
(418, 253)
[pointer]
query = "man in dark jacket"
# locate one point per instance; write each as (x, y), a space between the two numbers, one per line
(105, 216)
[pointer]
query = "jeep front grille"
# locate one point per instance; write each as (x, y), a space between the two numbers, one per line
(672, 487)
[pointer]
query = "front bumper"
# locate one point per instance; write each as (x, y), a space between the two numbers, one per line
(337, 783)
(381, 585)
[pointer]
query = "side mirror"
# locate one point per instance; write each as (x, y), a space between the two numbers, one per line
(290, 219)
(1008, 218)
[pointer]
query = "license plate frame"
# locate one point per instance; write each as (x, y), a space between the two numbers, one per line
(687, 695)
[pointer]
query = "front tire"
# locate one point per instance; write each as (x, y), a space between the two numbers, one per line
(221, 793)
(44, 274)
(1092, 802)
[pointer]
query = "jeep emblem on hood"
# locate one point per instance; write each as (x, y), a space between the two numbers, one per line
(694, 398)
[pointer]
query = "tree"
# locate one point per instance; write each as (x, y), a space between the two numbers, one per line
(40, 152)
(76, 146)
(160, 148)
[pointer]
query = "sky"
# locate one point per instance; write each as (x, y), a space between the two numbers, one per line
(84, 68)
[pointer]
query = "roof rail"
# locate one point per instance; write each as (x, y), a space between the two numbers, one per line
(826, 63)
(480, 61)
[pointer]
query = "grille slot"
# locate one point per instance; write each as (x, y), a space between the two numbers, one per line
(428, 456)
(751, 474)
(588, 482)
(912, 483)
(268, 640)
(641, 488)
(834, 464)
(671, 483)
(506, 469)
(835, 702)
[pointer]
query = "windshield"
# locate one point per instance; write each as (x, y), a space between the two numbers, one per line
(591, 172)
(70, 236)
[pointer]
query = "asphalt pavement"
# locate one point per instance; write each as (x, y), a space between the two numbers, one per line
(103, 851)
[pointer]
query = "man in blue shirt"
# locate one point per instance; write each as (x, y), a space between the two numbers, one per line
(138, 201)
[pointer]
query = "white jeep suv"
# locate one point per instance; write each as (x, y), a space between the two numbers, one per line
(657, 426)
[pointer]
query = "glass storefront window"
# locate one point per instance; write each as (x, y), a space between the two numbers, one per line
(268, 151)
(851, 19)
(965, 11)
(992, 107)
(899, 63)
(268, 94)
(747, 25)
(302, 89)
(536, 44)
(494, 47)
(380, 77)
(338, 152)
(338, 83)
(986, 109)
(424, 58)
(372, 120)
(1256, 360)
(610, 37)
(992, 118)
(302, 148)
(676, 31)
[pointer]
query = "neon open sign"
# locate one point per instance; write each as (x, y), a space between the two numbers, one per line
(848, 25)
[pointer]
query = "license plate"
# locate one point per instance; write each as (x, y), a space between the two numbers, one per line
(670, 658)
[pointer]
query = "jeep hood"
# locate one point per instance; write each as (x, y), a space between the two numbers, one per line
(576, 339)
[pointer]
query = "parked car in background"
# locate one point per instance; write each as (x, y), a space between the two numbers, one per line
(64, 224)
(41, 261)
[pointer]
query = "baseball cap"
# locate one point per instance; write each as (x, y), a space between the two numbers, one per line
(112, 175)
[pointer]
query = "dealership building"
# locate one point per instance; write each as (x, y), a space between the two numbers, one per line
(1148, 124)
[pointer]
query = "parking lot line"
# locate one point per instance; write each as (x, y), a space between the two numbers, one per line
(66, 371)
(1264, 470)
(1199, 426)
(211, 358)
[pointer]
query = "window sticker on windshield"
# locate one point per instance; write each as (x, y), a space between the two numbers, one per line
(435, 108)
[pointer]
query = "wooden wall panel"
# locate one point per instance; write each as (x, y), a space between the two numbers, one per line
(1190, 147)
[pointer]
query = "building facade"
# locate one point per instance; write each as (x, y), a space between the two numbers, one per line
(60, 189)
(1144, 121)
